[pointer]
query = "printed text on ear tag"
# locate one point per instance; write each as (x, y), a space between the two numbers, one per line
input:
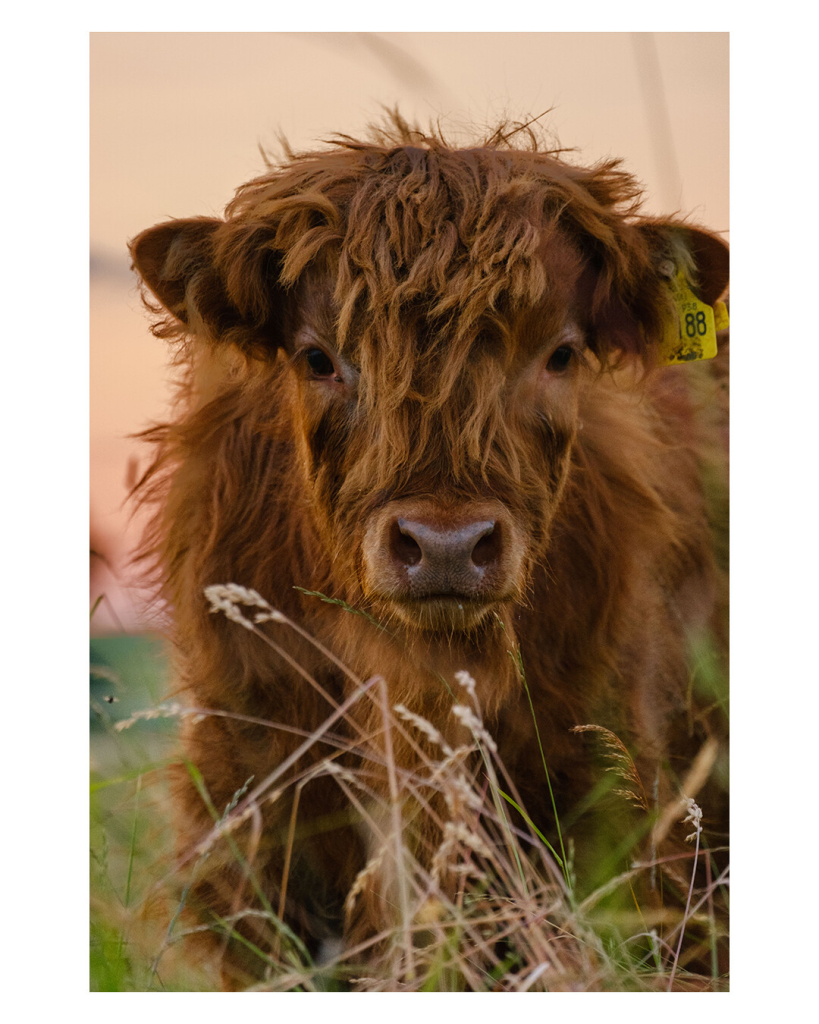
(691, 334)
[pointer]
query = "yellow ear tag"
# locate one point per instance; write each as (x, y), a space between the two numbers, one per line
(720, 316)
(691, 334)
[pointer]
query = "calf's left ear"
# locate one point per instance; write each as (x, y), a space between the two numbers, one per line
(631, 298)
(702, 255)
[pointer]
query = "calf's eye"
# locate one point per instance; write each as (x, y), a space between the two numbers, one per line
(560, 359)
(319, 362)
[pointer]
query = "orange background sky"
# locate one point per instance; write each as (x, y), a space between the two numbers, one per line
(177, 121)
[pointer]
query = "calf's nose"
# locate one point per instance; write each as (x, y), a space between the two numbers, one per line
(442, 558)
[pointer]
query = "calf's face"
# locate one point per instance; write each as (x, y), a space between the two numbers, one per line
(439, 313)
(435, 466)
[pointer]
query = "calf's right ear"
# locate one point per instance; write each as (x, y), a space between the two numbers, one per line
(173, 259)
(219, 279)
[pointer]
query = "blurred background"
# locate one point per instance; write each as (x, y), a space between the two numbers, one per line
(178, 119)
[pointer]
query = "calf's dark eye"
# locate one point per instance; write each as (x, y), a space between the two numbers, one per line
(560, 359)
(320, 363)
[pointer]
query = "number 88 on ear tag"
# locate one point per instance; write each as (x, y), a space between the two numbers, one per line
(691, 334)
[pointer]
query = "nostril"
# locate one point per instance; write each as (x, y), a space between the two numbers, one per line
(404, 549)
(488, 547)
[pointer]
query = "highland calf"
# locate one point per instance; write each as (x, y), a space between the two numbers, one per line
(423, 383)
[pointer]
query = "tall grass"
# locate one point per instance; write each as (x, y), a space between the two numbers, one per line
(494, 908)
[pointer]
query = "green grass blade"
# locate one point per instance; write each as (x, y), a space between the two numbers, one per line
(517, 658)
(343, 604)
(534, 828)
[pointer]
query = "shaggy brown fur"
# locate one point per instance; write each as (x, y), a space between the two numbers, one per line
(393, 340)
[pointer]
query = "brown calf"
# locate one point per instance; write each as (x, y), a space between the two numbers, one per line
(421, 380)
